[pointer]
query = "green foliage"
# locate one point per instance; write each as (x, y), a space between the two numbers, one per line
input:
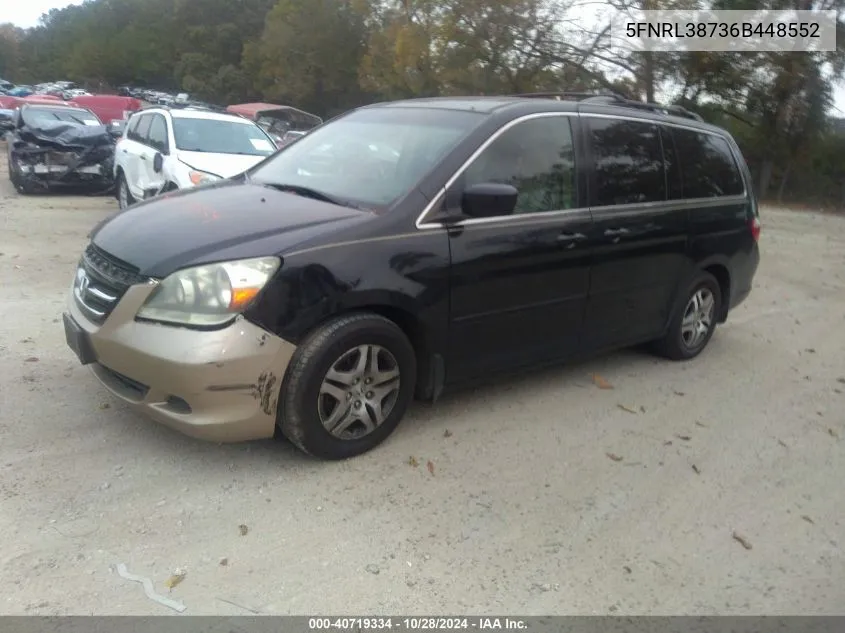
(327, 56)
(308, 54)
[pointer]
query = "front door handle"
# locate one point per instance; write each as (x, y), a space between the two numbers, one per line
(616, 232)
(142, 157)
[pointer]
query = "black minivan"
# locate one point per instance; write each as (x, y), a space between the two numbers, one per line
(407, 247)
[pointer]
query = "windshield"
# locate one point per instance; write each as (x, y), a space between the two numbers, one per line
(370, 157)
(217, 136)
(42, 116)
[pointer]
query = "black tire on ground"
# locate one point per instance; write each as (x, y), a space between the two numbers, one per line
(298, 416)
(17, 180)
(674, 346)
(121, 182)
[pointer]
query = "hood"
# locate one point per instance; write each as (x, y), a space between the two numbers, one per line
(225, 221)
(66, 135)
(223, 165)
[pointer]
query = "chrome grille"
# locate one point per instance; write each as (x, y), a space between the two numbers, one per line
(101, 280)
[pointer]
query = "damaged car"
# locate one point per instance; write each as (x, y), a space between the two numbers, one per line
(284, 123)
(57, 146)
(7, 121)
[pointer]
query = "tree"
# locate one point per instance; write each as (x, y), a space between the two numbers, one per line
(308, 55)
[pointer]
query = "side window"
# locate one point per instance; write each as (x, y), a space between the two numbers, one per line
(707, 166)
(143, 128)
(132, 128)
(538, 158)
(157, 136)
(628, 161)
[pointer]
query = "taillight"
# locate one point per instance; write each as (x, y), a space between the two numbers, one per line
(755, 227)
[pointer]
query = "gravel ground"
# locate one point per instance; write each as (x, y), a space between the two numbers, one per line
(548, 495)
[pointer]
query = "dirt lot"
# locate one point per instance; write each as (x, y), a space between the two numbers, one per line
(525, 512)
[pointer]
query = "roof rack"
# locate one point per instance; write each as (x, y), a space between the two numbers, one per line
(676, 110)
(567, 96)
(615, 99)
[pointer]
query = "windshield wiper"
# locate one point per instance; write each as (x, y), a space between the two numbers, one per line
(308, 192)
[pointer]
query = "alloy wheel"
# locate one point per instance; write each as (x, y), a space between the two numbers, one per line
(358, 392)
(698, 318)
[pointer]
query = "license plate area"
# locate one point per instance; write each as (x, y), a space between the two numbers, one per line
(78, 340)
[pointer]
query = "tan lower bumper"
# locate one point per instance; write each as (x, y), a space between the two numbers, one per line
(220, 385)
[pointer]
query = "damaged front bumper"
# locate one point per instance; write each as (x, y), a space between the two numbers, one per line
(221, 385)
(40, 167)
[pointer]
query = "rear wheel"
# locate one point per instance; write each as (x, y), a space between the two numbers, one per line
(694, 321)
(124, 197)
(348, 386)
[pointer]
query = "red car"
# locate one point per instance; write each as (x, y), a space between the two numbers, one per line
(108, 107)
(277, 120)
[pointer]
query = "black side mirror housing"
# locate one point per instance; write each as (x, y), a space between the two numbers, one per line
(116, 129)
(158, 162)
(489, 199)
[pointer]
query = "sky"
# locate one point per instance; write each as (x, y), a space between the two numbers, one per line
(26, 13)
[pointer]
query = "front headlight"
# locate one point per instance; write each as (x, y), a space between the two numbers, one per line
(208, 295)
(201, 177)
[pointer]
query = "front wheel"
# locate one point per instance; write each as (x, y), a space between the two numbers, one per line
(17, 178)
(348, 386)
(694, 323)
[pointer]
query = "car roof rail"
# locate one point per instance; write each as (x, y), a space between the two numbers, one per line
(614, 99)
(676, 110)
(568, 96)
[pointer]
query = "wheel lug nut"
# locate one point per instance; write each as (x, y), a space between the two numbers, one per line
(368, 381)
(369, 395)
(357, 404)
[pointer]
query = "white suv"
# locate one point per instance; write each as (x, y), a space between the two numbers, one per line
(162, 150)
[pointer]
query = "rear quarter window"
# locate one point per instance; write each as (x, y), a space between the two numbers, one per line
(708, 167)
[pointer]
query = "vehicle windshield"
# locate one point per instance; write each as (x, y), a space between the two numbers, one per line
(218, 136)
(46, 115)
(369, 157)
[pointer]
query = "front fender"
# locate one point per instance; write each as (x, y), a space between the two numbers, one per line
(407, 272)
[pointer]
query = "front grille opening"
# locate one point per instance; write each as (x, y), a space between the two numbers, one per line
(101, 281)
(124, 385)
(178, 405)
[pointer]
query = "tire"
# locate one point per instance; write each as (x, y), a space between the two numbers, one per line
(304, 403)
(17, 180)
(122, 188)
(680, 343)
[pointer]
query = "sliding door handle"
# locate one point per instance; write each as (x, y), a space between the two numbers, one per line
(571, 237)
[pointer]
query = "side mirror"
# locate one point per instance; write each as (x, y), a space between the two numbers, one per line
(116, 128)
(489, 199)
(158, 162)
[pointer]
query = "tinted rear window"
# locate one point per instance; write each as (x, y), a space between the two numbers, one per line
(628, 162)
(708, 168)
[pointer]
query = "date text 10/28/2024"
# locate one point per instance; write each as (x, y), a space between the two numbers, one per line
(417, 624)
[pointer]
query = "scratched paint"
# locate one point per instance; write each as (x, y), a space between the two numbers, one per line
(263, 391)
